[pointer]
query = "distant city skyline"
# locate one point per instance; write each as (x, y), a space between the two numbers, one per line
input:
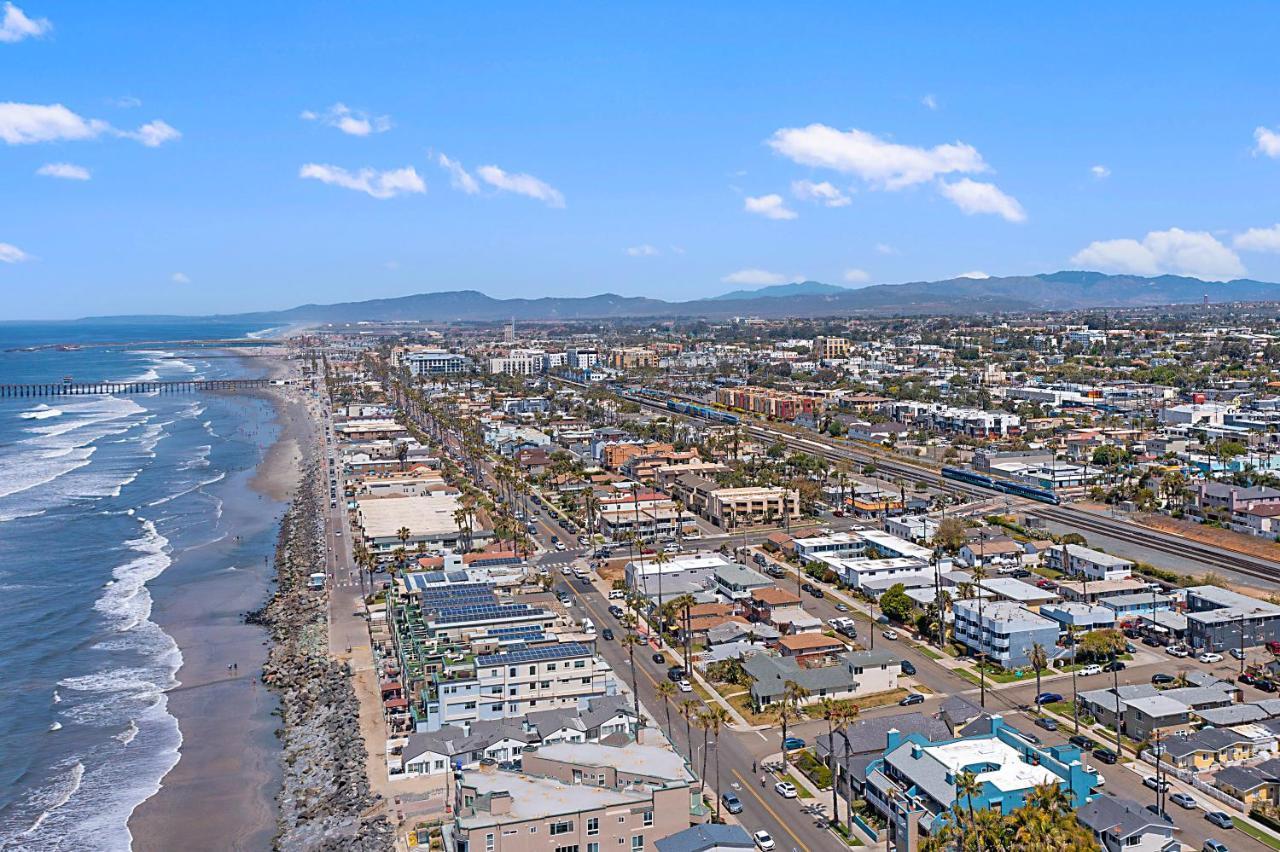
(162, 158)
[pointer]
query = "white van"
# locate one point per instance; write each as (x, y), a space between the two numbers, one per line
(588, 626)
(617, 594)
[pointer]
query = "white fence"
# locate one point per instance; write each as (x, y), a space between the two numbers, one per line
(1190, 778)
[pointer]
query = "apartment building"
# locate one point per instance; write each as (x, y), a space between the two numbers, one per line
(633, 358)
(517, 682)
(574, 798)
(732, 508)
(526, 362)
(1220, 619)
(1004, 631)
(436, 362)
(768, 402)
(1081, 560)
(831, 348)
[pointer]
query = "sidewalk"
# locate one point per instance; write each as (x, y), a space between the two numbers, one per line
(821, 797)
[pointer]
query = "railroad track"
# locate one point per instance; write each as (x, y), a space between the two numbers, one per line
(1164, 543)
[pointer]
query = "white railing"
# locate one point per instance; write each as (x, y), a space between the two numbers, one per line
(1191, 778)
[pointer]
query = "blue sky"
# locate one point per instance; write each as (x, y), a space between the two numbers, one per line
(244, 156)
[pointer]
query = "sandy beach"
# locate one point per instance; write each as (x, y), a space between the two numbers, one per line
(221, 793)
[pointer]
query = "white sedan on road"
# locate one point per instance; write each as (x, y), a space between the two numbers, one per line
(785, 789)
(763, 840)
(1210, 657)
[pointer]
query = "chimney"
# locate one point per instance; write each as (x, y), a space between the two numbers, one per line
(488, 766)
(917, 751)
(500, 802)
(892, 739)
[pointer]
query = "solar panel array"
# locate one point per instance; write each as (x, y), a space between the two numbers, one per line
(534, 655)
(478, 612)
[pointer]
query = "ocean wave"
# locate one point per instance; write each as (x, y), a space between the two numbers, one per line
(210, 481)
(59, 796)
(128, 734)
(40, 412)
(199, 459)
(127, 601)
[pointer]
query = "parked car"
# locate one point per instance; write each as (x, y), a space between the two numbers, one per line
(792, 744)
(607, 634)
(1082, 742)
(659, 658)
(1237, 653)
(1160, 678)
(1212, 845)
(1091, 669)
(1048, 698)
(807, 587)
(1177, 651)
(775, 572)
(1221, 819)
(818, 593)
(785, 789)
(1157, 784)
(891, 635)
(685, 686)
(1247, 678)
(1114, 666)
(912, 698)
(1183, 800)
(1106, 755)
(841, 607)
(1265, 685)
(1210, 657)
(675, 674)
(1151, 641)
(732, 803)
(1021, 573)
(1273, 647)
(615, 611)
(763, 840)
(1048, 723)
(908, 667)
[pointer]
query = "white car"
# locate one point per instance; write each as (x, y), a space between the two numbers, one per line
(567, 570)
(785, 789)
(560, 545)
(1176, 651)
(685, 686)
(891, 635)
(1091, 670)
(1089, 767)
(1210, 657)
(763, 841)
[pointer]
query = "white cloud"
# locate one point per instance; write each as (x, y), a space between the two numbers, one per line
(153, 134)
(885, 248)
(1267, 142)
(769, 206)
(824, 192)
(66, 171)
(756, 276)
(973, 196)
(125, 102)
(16, 25)
(521, 184)
(857, 276)
(976, 274)
(28, 124)
(644, 250)
(459, 178)
(1100, 172)
(885, 165)
(180, 278)
(1194, 253)
(12, 254)
(349, 121)
(929, 101)
(677, 250)
(1259, 239)
(377, 184)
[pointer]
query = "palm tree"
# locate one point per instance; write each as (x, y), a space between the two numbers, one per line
(793, 695)
(833, 713)
(684, 605)
(1039, 661)
(667, 691)
(714, 718)
(660, 558)
(967, 787)
(689, 709)
(630, 641)
(944, 606)
(979, 573)
(404, 535)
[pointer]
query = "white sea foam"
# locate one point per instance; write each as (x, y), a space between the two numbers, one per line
(59, 796)
(40, 412)
(126, 736)
(127, 602)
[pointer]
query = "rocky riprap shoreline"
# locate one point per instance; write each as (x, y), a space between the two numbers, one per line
(325, 790)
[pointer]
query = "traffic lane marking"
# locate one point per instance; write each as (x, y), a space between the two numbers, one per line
(771, 811)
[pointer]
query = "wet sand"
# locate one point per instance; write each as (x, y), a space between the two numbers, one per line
(221, 793)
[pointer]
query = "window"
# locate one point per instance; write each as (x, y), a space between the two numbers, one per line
(637, 841)
(533, 829)
(551, 667)
(546, 684)
(561, 827)
(580, 664)
(533, 670)
(511, 672)
(593, 827)
(510, 833)
(648, 818)
(593, 847)
(488, 842)
(573, 848)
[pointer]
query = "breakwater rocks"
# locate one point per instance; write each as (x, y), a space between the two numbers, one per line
(325, 802)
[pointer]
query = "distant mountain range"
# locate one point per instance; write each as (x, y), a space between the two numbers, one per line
(955, 296)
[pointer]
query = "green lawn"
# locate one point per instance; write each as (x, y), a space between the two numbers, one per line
(801, 790)
(849, 837)
(929, 652)
(1257, 834)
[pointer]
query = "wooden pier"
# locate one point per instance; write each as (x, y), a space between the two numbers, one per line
(95, 388)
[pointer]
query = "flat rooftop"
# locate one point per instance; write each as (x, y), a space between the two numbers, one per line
(1011, 772)
(534, 797)
(639, 758)
(382, 517)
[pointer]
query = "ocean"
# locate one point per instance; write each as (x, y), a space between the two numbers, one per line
(99, 496)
